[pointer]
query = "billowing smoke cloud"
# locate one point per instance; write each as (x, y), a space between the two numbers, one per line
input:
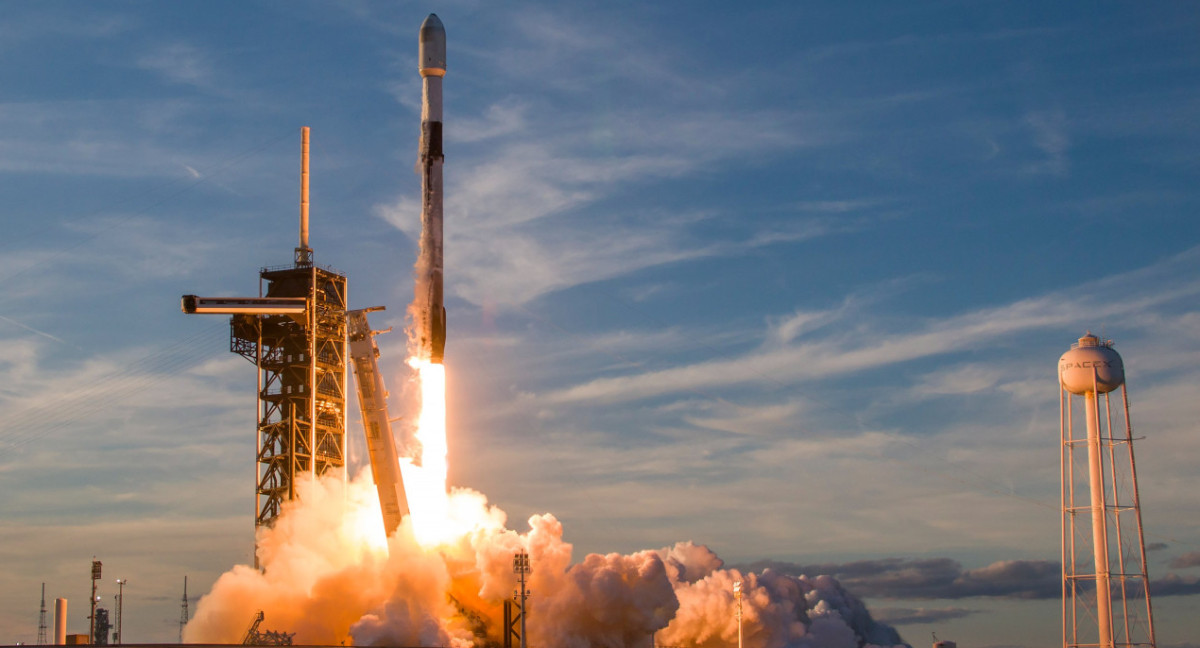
(779, 610)
(329, 578)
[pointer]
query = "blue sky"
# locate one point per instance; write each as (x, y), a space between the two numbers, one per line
(787, 280)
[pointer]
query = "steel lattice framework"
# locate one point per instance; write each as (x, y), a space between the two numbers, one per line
(1105, 586)
(301, 361)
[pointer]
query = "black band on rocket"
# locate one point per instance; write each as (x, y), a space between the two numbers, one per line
(434, 137)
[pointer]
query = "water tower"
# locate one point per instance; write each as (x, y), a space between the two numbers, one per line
(1105, 590)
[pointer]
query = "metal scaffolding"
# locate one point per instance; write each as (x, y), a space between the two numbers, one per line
(301, 362)
(295, 334)
(1105, 586)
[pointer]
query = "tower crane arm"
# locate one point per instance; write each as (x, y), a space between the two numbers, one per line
(193, 305)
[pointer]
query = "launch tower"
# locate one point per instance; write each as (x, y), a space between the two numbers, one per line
(295, 334)
(301, 379)
(1105, 588)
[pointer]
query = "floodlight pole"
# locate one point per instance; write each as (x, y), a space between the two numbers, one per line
(96, 567)
(521, 568)
(120, 608)
(737, 595)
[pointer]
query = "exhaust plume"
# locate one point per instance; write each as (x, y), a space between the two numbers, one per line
(329, 577)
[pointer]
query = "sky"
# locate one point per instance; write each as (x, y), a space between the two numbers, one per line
(789, 280)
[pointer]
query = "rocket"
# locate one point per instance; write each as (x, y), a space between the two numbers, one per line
(430, 310)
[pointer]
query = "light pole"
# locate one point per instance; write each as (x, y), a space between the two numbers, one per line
(96, 568)
(120, 608)
(737, 595)
(521, 567)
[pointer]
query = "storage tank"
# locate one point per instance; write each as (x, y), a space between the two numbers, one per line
(60, 622)
(1092, 365)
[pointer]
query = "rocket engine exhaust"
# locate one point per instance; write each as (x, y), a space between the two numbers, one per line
(429, 310)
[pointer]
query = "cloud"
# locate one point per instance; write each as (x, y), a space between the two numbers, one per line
(945, 578)
(498, 119)
(30, 329)
(44, 400)
(563, 196)
(899, 616)
(77, 24)
(179, 63)
(837, 354)
(938, 578)
(1189, 559)
(1049, 129)
(526, 221)
(1174, 585)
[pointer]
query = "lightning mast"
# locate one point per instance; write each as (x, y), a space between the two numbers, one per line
(183, 610)
(41, 639)
(1107, 585)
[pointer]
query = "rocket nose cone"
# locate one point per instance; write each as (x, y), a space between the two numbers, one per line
(432, 22)
(432, 41)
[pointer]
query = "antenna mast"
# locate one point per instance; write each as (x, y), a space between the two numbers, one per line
(183, 610)
(41, 640)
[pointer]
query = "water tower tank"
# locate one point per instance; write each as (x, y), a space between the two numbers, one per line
(1091, 366)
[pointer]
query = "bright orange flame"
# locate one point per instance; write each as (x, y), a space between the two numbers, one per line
(426, 483)
(364, 523)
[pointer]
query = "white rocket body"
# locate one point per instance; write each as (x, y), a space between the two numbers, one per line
(431, 311)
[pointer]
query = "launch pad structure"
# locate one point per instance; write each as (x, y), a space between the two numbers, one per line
(301, 365)
(295, 334)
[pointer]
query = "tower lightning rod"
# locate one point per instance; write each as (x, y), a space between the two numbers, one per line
(41, 638)
(304, 187)
(183, 614)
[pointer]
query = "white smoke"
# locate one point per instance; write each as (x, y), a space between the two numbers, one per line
(329, 578)
(778, 610)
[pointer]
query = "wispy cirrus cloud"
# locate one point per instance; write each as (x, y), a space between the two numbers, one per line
(179, 63)
(73, 24)
(836, 354)
(526, 220)
(1050, 135)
